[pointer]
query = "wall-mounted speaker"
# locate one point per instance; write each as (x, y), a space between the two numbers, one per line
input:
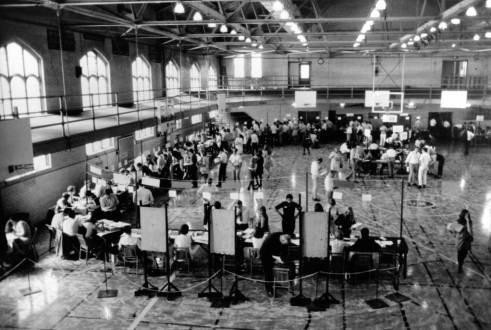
(78, 71)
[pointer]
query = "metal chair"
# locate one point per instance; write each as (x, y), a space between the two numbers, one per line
(363, 263)
(252, 254)
(130, 256)
(83, 248)
(281, 278)
(183, 256)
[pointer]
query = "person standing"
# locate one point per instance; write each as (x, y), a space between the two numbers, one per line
(464, 236)
(275, 246)
(288, 214)
(412, 162)
(315, 173)
(424, 165)
(236, 161)
(468, 136)
(143, 196)
(252, 172)
(254, 142)
(222, 169)
(268, 161)
(307, 143)
(259, 169)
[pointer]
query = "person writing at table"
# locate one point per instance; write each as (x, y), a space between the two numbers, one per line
(18, 234)
(109, 205)
(63, 203)
(288, 214)
(274, 248)
(185, 241)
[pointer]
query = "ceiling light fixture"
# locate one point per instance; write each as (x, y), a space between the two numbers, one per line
(248, 40)
(488, 3)
(442, 26)
(433, 29)
(487, 34)
(381, 5)
(233, 32)
(277, 5)
(284, 14)
(197, 16)
(471, 12)
(370, 22)
(241, 38)
(212, 25)
(254, 43)
(366, 27)
(360, 38)
(424, 35)
(403, 46)
(476, 37)
(453, 45)
(261, 47)
(302, 38)
(375, 14)
(179, 8)
(455, 21)
(223, 28)
(356, 44)
(417, 38)
(410, 42)
(305, 44)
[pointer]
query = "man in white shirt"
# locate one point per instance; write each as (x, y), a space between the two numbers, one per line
(412, 162)
(143, 196)
(315, 173)
(389, 158)
(57, 221)
(254, 143)
(424, 164)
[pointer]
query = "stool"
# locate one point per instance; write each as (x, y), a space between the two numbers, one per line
(281, 277)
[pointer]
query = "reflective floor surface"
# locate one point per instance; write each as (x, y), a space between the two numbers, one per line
(439, 297)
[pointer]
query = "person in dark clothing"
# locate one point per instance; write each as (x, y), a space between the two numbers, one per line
(464, 236)
(345, 221)
(365, 243)
(259, 169)
(441, 161)
(276, 244)
(288, 214)
(307, 143)
(252, 172)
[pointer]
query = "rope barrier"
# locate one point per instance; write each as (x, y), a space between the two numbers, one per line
(11, 270)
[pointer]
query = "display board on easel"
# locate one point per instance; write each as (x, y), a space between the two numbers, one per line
(305, 99)
(315, 235)
(16, 146)
(153, 229)
(222, 232)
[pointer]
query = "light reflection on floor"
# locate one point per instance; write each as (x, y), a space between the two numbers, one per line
(440, 298)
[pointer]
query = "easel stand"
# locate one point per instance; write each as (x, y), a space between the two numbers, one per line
(107, 293)
(29, 290)
(146, 289)
(210, 291)
(235, 296)
(326, 300)
(171, 291)
(218, 301)
(300, 299)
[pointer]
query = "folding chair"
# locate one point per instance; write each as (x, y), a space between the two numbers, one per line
(183, 256)
(130, 256)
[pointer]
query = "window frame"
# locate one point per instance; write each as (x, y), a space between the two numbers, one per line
(135, 77)
(97, 147)
(47, 166)
(87, 104)
(195, 80)
(256, 65)
(239, 70)
(172, 80)
(145, 133)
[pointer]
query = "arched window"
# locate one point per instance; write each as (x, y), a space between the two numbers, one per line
(195, 78)
(21, 85)
(172, 79)
(212, 79)
(95, 80)
(142, 81)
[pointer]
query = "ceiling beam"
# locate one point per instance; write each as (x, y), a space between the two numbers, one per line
(78, 3)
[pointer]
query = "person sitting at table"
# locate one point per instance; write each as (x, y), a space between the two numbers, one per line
(365, 243)
(18, 234)
(388, 159)
(318, 207)
(143, 196)
(109, 205)
(274, 249)
(63, 203)
(88, 186)
(338, 244)
(262, 223)
(243, 216)
(345, 221)
(71, 190)
(57, 220)
(184, 241)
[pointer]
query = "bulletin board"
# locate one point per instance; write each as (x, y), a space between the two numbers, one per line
(16, 147)
(153, 229)
(314, 233)
(305, 99)
(222, 232)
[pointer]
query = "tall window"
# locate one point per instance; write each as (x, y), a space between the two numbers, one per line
(40, 163)
(95, 80)
(142, 80)
(96, 147)
(212, 79)
(145, 133)
(195, 77)
(256, 65)
(239, 66)
(20, 80)
(304, 71)
(172, 79)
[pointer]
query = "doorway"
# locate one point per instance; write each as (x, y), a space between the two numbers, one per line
(440, 125)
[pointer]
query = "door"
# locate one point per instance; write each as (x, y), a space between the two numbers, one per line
(126, 150)
(293, 74)
(454, 74)
(309, 116)
(440, 124)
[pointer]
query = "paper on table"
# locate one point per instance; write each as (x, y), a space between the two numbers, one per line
(172, 193)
